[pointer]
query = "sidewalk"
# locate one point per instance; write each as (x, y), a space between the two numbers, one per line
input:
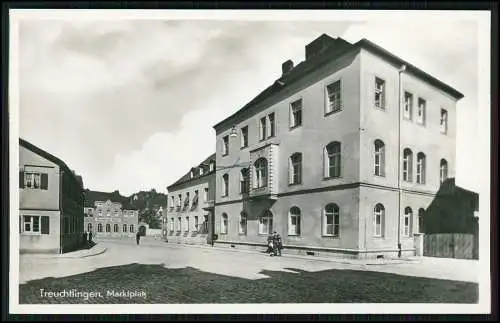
(361, 262)
(94, 251)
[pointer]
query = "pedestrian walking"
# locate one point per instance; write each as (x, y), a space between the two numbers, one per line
(270, 245)
(279, 244)
(138, 237)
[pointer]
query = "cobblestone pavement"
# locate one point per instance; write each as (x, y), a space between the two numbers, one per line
(156, 272)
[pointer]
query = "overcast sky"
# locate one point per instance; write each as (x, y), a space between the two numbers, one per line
(130, 104)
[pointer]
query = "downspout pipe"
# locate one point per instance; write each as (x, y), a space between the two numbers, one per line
(400, 70)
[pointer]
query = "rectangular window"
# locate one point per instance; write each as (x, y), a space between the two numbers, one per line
(296, 113)
(173, 202)
(179, 219)
(36, 224)
(225, 185)
(295, 169)
(379, 93)
(36, 180)
(262, 128)
(205, 194)
(408, 106)
(265, 225)
(244, 137)
(378, 227)
(187, 224)
(225, 145)
(223, 228)
(272, 125)
(196, 223)
(444, 121)
(294, 228)
(186, 200)
(334, 97)
(171, 224)
(421, 111)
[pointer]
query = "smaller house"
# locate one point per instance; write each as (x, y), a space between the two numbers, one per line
(450, 223)
(453, 210)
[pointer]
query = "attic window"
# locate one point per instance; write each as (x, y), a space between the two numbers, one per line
(201, 171)
(192, 174)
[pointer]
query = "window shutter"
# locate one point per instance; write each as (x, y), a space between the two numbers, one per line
(290, 171)
(21, 179)
(45, 225)
(45, 181)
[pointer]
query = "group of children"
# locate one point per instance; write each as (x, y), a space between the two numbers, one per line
(274, 244)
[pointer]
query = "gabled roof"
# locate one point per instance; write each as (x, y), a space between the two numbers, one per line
(338, 47)
(37, 150)
(187, 177)
(93, 196)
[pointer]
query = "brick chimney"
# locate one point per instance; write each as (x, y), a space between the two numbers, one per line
(286, 67)
(318, 46)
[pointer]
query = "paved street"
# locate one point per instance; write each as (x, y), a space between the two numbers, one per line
(157, 272)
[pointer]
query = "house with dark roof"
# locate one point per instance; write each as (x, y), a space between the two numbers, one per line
(109, 214)
(50, 202)
(337, 154)
(189, 215)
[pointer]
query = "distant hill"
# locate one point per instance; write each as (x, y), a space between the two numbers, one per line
(149, 203)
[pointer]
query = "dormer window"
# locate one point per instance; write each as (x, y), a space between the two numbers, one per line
(192, 174)
(212, 166)
(201, 171)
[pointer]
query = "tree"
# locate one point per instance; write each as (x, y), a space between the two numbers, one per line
(149, 216)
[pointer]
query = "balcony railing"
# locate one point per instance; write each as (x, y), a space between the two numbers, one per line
(209, 204)
(263, 192)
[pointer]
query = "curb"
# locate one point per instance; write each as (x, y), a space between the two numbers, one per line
(336, 260)
(78, 254)
(90, 254)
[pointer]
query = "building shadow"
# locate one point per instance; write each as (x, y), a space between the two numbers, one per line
(160, 285)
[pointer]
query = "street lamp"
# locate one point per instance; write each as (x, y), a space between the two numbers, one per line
(233, 133)
(400, 70)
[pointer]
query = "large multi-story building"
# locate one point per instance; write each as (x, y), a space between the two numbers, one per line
(189, 215)
(50, 202)
(110, 214)
(342, 153)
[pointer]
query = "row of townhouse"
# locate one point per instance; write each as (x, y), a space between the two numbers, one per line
(343, 153)
(110, 214)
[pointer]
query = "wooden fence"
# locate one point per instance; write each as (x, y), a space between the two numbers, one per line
(451, 245)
